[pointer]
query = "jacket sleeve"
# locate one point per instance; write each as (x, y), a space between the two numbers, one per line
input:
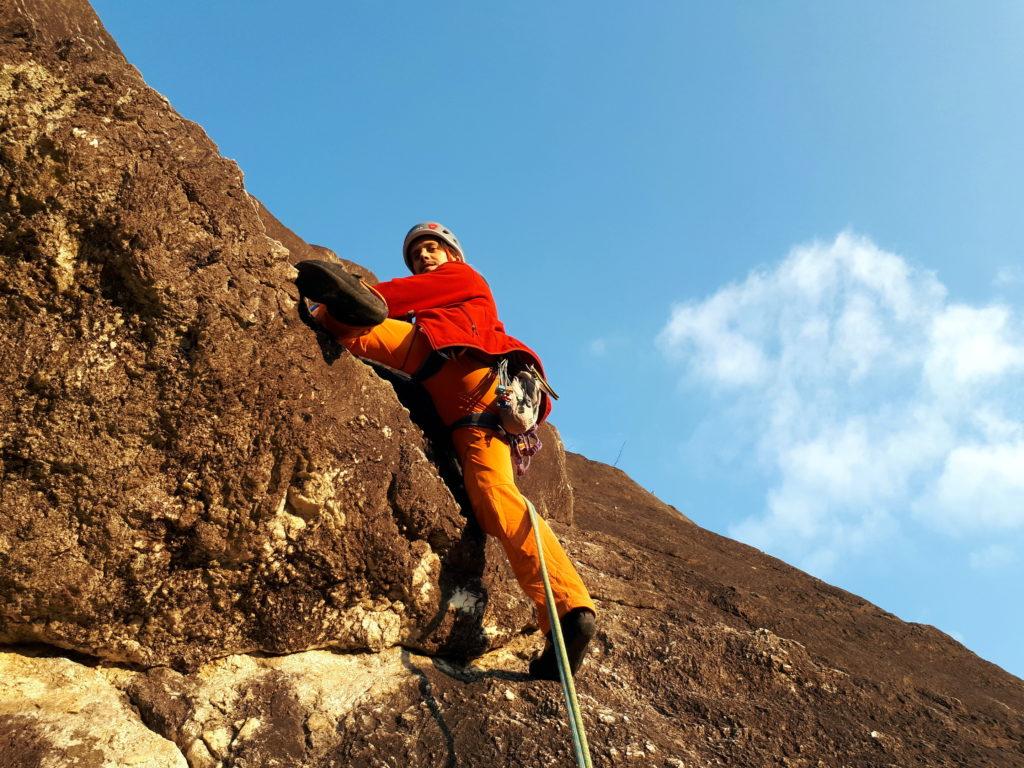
(448, 284)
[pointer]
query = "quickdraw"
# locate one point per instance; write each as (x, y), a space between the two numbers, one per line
(524, 448)
(520, 396)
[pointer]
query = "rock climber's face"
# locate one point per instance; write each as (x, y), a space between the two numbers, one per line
(427, 254)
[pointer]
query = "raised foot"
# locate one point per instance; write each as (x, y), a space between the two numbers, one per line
(347, 298)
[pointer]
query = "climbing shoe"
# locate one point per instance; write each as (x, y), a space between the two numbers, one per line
(578, 627)
(347, 298)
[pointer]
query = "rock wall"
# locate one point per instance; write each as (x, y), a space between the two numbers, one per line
(54, 712)
(708, 653)
(191, 482)
(187, 472)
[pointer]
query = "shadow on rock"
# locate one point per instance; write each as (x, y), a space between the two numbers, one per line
(426, 691)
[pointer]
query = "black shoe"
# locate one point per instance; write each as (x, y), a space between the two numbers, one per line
(347, 299)
(578, 627)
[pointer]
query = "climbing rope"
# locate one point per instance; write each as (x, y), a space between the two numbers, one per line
(579, 736)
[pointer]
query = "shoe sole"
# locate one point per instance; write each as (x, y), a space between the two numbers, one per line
(345, 297)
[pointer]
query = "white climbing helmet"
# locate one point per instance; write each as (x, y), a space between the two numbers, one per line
(431, 229)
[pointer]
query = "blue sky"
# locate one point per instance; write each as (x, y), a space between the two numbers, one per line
(771, 252)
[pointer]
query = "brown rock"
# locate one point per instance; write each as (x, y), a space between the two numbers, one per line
(56, 712)
(299, 249)
(691, 667)
(185, 474)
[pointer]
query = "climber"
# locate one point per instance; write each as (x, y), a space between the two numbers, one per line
(441, 327)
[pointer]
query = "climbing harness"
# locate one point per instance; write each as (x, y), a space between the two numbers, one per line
(434, 362)
(519, 400)
(523, 447)
(579, 736)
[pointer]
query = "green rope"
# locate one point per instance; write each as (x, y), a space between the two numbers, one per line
(579, 736)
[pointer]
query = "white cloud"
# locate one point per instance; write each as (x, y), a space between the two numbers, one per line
(971, 346)
(716, 330)
(981, 486)
(599, 346)
(1009, 276)
(992, 558)
(867, 394)
(996, 428)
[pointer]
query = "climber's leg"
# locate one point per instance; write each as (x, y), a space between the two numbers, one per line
(501, 511)
(394, 343)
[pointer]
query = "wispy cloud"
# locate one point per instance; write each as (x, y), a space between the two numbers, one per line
(612, 343)
(1009, 276)
(868, 394)
(980, 486)
(992, 558)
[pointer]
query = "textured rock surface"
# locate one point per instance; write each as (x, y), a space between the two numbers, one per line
(185, 473)
(54, 712)
(709, 653)
(731, 657)
(266, 711)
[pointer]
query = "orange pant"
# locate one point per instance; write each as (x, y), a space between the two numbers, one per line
(463, 386)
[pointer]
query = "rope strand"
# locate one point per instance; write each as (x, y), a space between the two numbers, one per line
(579, 735)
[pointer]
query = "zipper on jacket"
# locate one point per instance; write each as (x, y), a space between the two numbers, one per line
(472, 322)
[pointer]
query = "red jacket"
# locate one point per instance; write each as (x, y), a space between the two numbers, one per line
(453, 307)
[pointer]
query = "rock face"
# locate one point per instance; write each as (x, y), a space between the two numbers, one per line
(733, 657)
(708, 653)
(192, 481)
(186, 472)
(56, 712)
